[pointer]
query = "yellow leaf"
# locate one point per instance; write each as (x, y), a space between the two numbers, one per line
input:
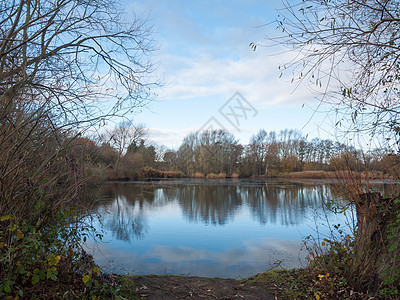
(5, 218)
(320, 276)
(85, 278)
(96, 270)
(323, 243)
(316, 296)
(53, 260)
(20, 235)
(2, 245)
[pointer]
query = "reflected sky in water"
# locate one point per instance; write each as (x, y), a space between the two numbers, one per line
(215, 228)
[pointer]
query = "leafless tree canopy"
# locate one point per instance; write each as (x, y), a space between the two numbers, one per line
(352, 49)
(125, 134)
(65, 66)
(65, 56)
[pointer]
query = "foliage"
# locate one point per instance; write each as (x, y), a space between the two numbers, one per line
(391, 274)
(359, 267)
(329, 263)
(44, 260)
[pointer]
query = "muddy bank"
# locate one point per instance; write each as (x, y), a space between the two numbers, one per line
(180, 287)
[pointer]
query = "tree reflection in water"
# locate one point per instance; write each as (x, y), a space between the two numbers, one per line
(125, 207)
(121, 211)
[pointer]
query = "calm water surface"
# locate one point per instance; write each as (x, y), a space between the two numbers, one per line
(214, 228)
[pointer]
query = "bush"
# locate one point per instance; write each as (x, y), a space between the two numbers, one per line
(173, 174)
(197, 175)
(149, 172)
(44, 260)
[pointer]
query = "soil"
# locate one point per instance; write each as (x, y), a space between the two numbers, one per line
(180, 287)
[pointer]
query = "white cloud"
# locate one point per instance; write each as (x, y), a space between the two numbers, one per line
(205, 52)
(171, 137)
(255, 76)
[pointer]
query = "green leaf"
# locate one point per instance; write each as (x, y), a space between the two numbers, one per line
(42, 275)
(7, 286)
(35, 279)
(393, 247)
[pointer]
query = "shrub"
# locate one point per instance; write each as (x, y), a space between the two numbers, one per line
(44, 260)
(198, 175)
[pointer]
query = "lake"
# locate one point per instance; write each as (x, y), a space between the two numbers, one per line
(215, 228)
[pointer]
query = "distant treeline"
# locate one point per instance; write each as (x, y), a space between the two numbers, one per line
(123, 154)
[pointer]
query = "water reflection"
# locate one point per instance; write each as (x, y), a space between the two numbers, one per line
(123, 206)
(121, 215)
(255, 257)
(229, 228)
(214, 205)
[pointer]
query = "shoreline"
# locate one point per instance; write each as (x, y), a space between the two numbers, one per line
(266, 285)
(288, 179)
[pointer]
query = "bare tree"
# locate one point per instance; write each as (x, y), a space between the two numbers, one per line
(125, 135)
(65, 66)
(351, 49)
(65, 56)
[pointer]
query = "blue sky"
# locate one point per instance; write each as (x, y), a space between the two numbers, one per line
(204, 58)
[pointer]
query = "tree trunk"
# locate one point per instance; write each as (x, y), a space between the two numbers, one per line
(374, 257)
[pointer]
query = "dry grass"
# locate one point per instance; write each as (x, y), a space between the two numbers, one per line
(306, 175)
(216, 176)
(342, 175)
(173, 174)
(148, 172)
(197, 175)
